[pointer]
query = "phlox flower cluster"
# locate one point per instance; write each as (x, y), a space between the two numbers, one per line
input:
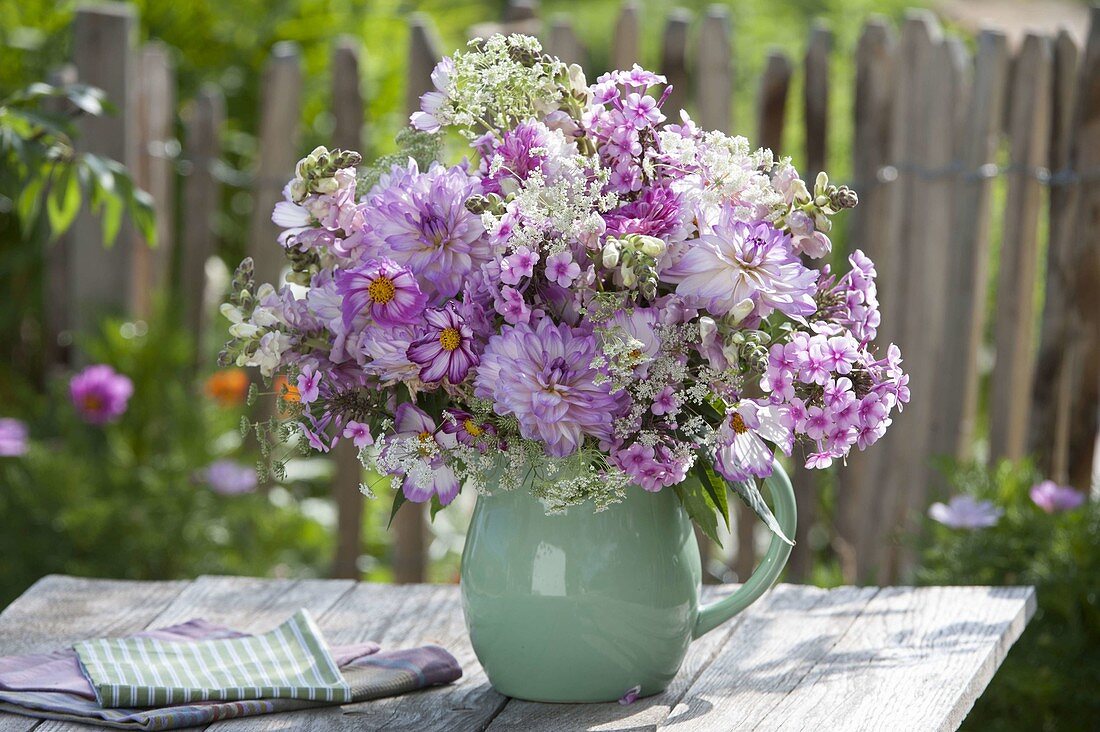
(602, 298)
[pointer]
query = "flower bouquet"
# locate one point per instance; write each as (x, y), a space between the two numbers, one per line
(600, 303)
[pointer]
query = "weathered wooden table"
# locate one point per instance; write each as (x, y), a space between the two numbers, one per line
(854, 658)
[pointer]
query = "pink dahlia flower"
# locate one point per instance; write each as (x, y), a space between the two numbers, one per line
(744, 268)
(420, 220)
(386, 290)
(100, 394)
(543, 375)
(446, 350)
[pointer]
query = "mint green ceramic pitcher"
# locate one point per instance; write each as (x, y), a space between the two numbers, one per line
(581, 607)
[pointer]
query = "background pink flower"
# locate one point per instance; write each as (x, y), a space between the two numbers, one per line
(100, 394)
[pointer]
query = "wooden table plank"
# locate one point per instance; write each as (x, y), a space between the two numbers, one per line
(642, 714)
(801, 658)
(768, 654)
(59, 610)
(915, 659)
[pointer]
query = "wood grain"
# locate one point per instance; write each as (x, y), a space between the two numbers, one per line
(815, 98)
(931, 649)
(562, 41)
(1014, 329)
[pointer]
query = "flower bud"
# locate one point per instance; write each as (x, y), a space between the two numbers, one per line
(326, 185)
(821, 182)
(611, 253)
(629, 278)
(652, 246)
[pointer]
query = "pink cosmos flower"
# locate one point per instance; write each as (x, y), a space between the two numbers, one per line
(445, 350)
(966, 512)
(431, 476)
(100, 394)
(742, 453)
(1054, 498)
(561, 268)
(358, 433)
(386, 290)
(230, 478)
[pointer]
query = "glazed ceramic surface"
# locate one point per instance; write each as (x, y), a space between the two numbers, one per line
(580, 607)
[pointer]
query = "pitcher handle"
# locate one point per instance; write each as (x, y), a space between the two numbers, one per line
(712, 615)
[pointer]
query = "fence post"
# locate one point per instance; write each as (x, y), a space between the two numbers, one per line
(1050, 390)
(56, 260)
(714, 71)
(674, 65)
(347, 134)
(624, 44)
(815, 97)
(1085, 377)
(771, 101)
(155, 170)
(1029, 141)
(100, 279)
(280, 110)
(410, 525)
(562, 41)
(889, 464)
(959, 378)
(867, 231)
(203, 120)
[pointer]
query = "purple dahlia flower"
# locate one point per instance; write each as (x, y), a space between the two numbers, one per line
(388, 291)
(657, 212)
(543, 375)
(744, 268)
(100, 394)
(1054, 498)
(420, 220)
(445, 351)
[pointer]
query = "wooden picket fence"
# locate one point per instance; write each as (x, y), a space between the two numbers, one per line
(940, 134)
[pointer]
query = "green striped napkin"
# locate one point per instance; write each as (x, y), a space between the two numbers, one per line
(290, 662)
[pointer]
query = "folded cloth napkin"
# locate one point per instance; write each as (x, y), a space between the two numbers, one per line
(52, 685)
(290, 662)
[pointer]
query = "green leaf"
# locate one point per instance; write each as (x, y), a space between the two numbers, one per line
(436, 507)
(715, 486)
(699, 507)
(398, 500)
(27, 205)
(144, 216)
(750, 494)
(111, 219)
(63, 203)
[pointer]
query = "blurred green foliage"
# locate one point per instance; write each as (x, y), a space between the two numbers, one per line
(127, 499)
(1051, 677)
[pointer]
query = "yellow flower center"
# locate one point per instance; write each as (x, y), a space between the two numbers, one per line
(472, 428)
(381, 290)
(450, 339)
(738, 424)
(425, 440)
(92, 403)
